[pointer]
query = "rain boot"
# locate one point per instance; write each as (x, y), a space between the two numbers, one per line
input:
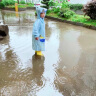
(39, 53)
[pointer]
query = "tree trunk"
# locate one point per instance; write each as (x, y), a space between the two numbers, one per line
(18, 1)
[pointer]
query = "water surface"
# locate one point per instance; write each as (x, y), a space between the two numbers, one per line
(68, 67)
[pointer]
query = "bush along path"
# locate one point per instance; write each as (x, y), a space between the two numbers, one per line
(65, 14)
(10, 5)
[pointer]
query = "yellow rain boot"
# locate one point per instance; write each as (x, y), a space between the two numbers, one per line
(39, 53)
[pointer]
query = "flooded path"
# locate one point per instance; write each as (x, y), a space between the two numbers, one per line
(68, 67)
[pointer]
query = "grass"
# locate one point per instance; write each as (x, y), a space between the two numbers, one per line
(30, 5)
(21, 5)
(85, 20)
(76, 18)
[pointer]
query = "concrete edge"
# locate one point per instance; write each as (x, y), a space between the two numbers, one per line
(71, 22)
(19, 9)
(31, 8)
(11, 9)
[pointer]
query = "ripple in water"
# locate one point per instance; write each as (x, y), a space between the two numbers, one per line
(62, 80)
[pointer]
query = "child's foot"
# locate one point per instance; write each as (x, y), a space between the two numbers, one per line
(39, 53)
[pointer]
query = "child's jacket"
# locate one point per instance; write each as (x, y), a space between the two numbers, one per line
(38, 30)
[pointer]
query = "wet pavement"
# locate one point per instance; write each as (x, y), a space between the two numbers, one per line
(68, 67)
(79, 1)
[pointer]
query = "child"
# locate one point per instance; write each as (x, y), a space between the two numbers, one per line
(38, 33)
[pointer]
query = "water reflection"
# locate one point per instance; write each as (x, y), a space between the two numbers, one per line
(38, 69)
(77, 62)
(23, 19)
(7, 66)
(51, 61)
(68, 68)
(23, 82)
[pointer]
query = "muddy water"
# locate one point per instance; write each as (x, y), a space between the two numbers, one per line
(68, 67)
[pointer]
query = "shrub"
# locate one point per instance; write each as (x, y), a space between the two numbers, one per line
(76, 6)
(22, 2)
(30, 5)
(56, 10)
(90, 9)
(65, 4)
(51, 3)
(1, 5)
(35, 13)
(46, 3)
(8, 2)
(66, 13)
(11, 2)
(49, 11)
(5, 2)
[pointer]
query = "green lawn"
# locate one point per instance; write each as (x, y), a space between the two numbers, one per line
(21, 6)
(30, 5)
(76, 18)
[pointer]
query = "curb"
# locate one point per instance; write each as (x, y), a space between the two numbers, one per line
(11, 9)
(70, 22)
(33, 8)
(19, 9)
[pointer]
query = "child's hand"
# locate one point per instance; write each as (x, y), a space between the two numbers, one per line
(37, 38)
